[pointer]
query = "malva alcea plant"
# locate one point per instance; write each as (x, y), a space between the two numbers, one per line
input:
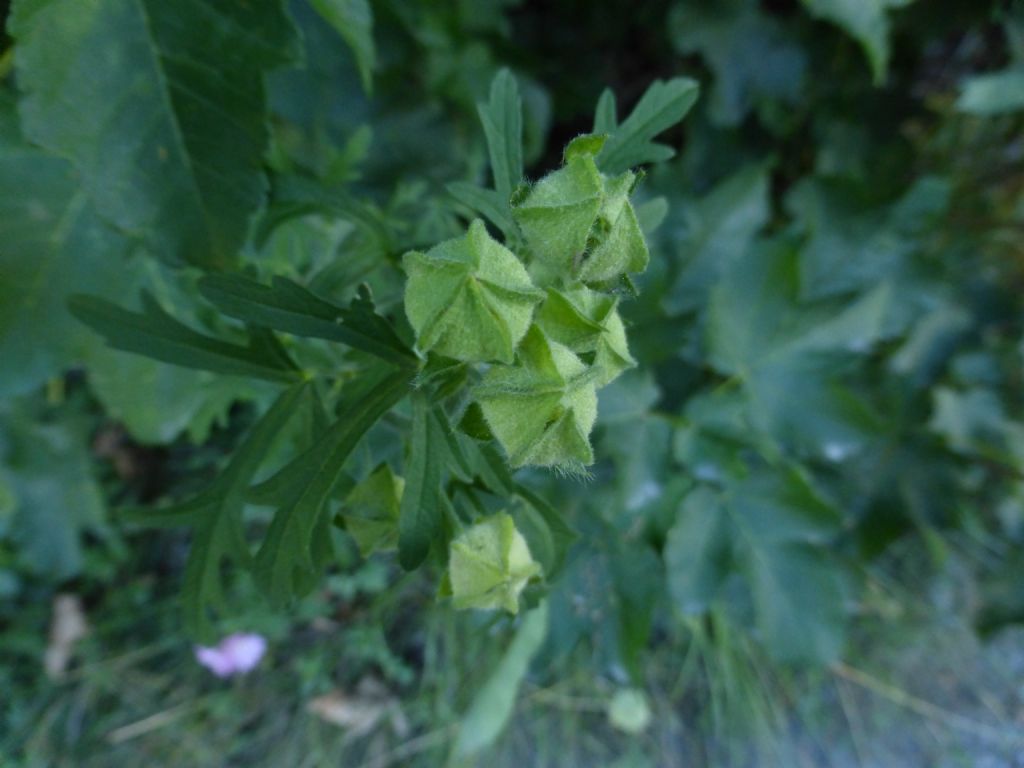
(540, 324)
(513, 326)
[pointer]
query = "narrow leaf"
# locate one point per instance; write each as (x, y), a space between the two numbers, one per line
(662, 106)
(562, 536)
(502, 118)
(217, 516)
(867, 21)
(421, 512)
(487, 203)
(221, 536)
(606, 116)
(353, 20)
(492, 706)
(286, 560)
(154, 333)
(184, 513)
(289, 307)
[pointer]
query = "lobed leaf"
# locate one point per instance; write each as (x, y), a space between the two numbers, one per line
(867, 21)
(663, 105)
(287, 306)
(216, 515)
(487, 203)
(286, 561)
(154, 333)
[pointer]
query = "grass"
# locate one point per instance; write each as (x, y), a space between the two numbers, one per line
(917, 688)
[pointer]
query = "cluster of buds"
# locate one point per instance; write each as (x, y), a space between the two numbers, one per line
(538, 319)
(538, 316)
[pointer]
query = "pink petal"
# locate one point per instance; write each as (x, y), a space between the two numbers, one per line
(214, 660)
(244, 650)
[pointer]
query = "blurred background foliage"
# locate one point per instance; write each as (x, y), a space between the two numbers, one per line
(802, 541)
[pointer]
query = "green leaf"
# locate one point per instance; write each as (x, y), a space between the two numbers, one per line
(502, 119)
(52, 242)
(216, 517)
(698, 552)
(285, 563)
(219, 533)
(605, 114)
(157, 402)
(546, 531)
(853, 242)
(492, 706)
(628, 399)
(287, 306)
(56, 499)
(753, 56)
(867, 21)
(720, 228)
(798, 603)
(161, 108)
(639, 583)
(769, 528)
(993, 93)
(487, 203)
(421, 510)
(975, 422)
(154, 333)
(664, 104)
(780, 506)
(788, 357)
(606, 595)
(353, 20)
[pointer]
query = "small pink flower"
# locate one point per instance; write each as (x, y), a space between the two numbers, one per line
(234, 655)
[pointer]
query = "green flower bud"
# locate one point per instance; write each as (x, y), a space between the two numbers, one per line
(541, 410)
(557, 214)
(579, 222)
(589, 324)
(469, 298)
(619, 245)
(489, 565)
(371, 511)
(587, 144)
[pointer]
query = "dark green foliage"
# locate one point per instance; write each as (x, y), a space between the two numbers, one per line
(216, 517)
(287, 306)
(422, 509)
(817, 422)
(123, 90)
(156, 334)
